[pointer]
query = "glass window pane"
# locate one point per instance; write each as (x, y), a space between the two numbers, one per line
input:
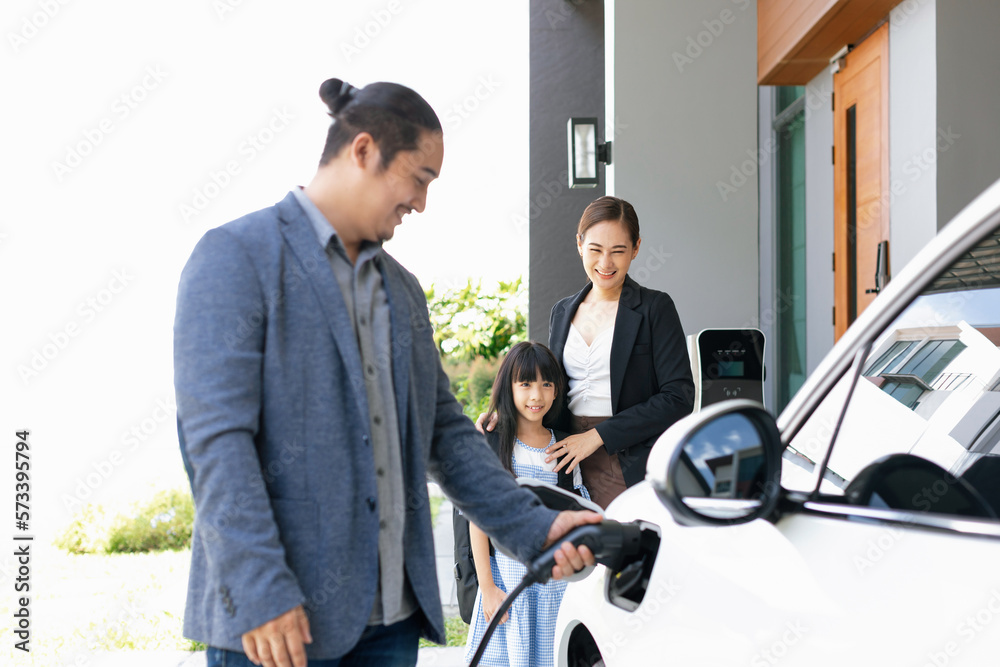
(895, 353)
(790, 241)
(933, 358)
(787, 95)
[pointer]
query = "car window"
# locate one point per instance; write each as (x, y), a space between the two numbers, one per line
(929, 391)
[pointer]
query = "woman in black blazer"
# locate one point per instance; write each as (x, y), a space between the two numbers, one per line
(646, 362)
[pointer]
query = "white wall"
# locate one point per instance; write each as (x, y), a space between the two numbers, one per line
(768, 194)
(683, 91)
(912, 130)
(968, 102)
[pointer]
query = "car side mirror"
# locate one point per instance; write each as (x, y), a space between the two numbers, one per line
(719, 466)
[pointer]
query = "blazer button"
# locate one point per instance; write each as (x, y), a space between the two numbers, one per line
(371, 504)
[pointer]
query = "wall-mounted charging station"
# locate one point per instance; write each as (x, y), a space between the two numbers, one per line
(726, 364)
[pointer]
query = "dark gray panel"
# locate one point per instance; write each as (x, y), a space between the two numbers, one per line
(567, 79)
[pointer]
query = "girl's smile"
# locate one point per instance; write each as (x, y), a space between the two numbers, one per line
(533, 399)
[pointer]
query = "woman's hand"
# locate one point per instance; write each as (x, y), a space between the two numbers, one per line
(493, 597)
(574, 449)
(486, 422)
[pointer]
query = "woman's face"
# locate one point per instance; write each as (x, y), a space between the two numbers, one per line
(607, 252)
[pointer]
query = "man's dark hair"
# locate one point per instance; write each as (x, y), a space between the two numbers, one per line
(391, 113)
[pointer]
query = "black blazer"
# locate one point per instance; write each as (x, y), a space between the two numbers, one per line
(651, 385)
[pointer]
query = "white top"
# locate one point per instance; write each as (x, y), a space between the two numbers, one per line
(588, 368)
(535, 458)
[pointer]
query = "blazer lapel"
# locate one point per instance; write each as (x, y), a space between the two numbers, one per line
(561, 321)
(627, 323)
(313, 264)
(402, 342)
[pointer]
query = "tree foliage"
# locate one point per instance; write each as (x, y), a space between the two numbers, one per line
(470, 322)
(473, 329)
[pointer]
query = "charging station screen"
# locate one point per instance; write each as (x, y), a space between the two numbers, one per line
(730, 369)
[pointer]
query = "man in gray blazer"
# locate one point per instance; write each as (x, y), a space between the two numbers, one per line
(312, 407)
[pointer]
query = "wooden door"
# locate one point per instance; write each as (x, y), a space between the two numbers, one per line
(861, 174)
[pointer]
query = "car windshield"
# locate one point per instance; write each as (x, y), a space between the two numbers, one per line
(930, 386)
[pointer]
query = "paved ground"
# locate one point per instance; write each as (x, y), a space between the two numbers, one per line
(429, 657)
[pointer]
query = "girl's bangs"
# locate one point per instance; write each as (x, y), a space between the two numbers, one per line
(531, 361)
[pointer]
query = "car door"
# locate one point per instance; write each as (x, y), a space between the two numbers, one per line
(895, 477)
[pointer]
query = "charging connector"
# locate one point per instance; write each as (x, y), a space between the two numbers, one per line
(611, 542)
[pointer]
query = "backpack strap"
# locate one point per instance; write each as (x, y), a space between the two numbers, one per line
(565, 479)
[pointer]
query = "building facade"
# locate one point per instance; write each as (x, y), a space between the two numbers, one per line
(784, 156)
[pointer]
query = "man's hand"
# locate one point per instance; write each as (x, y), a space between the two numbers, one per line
(279, 642)
(569, 559)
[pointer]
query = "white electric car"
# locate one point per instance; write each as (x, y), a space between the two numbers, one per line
(860, 528)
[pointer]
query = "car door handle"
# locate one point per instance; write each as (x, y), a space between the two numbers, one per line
(881, 268)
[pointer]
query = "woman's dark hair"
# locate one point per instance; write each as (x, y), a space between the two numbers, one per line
(391, 113)
(522, 364)
(614, 209)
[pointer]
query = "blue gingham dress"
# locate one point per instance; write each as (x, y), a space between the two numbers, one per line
(527, 638)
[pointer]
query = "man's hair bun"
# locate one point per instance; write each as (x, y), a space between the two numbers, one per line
(336, 94)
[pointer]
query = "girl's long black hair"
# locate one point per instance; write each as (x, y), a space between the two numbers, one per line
(522, 364)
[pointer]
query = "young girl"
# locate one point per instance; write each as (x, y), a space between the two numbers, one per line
(525, 397)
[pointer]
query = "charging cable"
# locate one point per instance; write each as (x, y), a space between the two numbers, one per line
(611, 542)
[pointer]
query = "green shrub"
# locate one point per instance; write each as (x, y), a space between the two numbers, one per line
(165, 522)
(87, 533)
(481, 377)
(456, 631)
(471, 322)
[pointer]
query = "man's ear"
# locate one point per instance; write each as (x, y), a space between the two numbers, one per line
(364, 151)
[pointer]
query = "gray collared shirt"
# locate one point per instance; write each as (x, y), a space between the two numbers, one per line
(368, 306)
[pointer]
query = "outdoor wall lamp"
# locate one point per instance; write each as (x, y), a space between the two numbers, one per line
(585, 152)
